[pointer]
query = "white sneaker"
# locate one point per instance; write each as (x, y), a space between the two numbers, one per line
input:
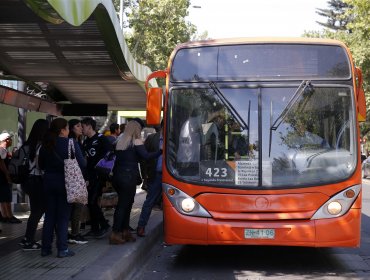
(77, 239)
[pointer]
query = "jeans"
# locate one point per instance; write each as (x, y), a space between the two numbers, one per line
(57, 214)
(154, 192)
(124, 182)
(34, 188)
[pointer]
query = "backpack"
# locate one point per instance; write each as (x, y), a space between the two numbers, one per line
(19, 166)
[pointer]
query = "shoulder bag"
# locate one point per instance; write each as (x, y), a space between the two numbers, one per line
(104, 168)
(74, 181)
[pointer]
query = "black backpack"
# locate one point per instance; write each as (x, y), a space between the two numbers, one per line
(19, 166)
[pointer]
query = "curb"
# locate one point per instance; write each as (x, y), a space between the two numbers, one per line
(120, 261)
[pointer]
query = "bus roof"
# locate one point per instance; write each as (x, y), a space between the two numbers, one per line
(260, 40)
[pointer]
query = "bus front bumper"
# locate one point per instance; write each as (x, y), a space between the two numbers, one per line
(337, 232)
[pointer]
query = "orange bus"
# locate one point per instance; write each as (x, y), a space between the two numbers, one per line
(261, 143)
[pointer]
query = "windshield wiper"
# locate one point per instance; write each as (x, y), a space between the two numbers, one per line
(304, 87)
(230, 107)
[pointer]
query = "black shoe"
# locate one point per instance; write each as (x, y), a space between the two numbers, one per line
(65, 253)
(23, 242)
(144, 187)
(106, 226)
(101, 233)
(14, 220)
(77, 239)
(90, 234)
(131, 228)
(3, 219)
(45, 253)
(71, 239)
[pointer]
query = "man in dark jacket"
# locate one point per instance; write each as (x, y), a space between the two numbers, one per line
(95, 147)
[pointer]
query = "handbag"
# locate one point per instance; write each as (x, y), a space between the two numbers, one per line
(74, 181)
(104, 168)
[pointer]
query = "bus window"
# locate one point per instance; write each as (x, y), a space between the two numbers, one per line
(207, 143)
(314, 144)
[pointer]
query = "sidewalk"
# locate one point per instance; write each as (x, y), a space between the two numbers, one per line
(94, 260)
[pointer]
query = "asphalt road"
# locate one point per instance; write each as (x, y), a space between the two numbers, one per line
(260, 263)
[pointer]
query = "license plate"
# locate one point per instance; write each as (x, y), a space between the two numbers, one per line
(266, 233)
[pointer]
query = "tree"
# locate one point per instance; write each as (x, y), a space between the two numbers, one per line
(127, 5)
(337, 19)
(200, 36)
(157, 27)
(358, 40)
(360, 46)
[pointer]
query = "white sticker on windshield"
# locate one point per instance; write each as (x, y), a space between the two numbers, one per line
(266, 173)
(246, 172)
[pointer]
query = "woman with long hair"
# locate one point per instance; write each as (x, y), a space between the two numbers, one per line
(75, 132)
(58, 211)
(129, 150)
(33, 186)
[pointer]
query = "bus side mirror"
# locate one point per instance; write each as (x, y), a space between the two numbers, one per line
(154, 99)
(153, 106)
(361, 100)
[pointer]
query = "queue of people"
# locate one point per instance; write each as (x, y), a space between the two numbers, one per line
(45, 185)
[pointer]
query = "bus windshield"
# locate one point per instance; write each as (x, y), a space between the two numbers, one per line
(313, 143)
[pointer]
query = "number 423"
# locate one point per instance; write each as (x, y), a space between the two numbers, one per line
(216, 172)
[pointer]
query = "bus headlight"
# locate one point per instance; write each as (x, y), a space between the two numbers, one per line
(187, 205)
(334, 208)
(339, 204)
(184, 203)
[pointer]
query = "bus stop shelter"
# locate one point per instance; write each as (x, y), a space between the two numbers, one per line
(77, 48)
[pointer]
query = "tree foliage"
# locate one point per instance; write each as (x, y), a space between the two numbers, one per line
(359, 42)
(337, 18)
(356, 35)
(156, 28)
(127, 4)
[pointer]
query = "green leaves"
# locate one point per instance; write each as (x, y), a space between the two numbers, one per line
(157, 26)
(356, 35)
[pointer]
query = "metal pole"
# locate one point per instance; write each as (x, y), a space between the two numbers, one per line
(121, 13)
(22, 117)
